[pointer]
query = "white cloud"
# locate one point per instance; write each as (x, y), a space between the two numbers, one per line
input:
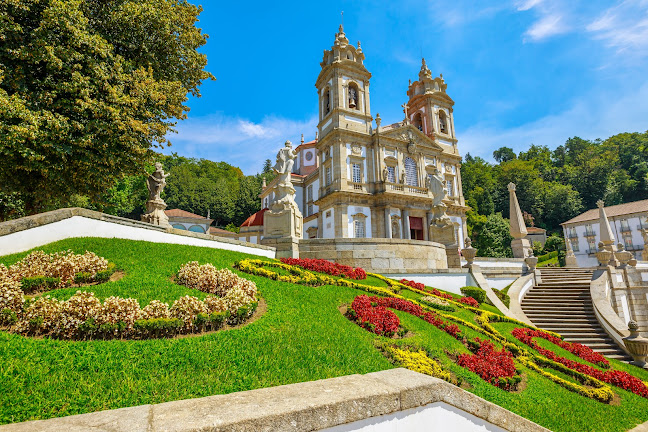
(528, 4)
(624, 27)
(547, 26)
(597, 115)
(239, 142)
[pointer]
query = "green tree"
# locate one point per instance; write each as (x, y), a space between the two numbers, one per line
(493, 238)
(504, 154)
(88, 89)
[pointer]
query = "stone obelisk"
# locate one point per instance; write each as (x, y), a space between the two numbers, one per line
(607, 237)
(520, 244)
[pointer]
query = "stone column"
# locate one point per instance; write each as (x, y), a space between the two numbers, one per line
(406, 225)
(388, 231)
(520, 244)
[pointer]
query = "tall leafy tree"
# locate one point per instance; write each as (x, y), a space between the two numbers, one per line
(88, 88)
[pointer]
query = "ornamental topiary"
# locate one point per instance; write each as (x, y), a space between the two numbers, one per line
(474, 292)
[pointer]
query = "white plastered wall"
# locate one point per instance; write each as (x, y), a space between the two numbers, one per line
(79, 226)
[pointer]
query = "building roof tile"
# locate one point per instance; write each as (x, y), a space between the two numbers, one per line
(255, 220)
(612, 211)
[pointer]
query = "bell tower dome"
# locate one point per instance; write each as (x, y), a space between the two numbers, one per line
(343, 88)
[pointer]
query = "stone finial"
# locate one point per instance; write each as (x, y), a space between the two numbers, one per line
(636, 344)
(468, 242)
(607, 237)
(316, 135)
(518, 228)
(378, 120)
(302, 138)
(263, 183)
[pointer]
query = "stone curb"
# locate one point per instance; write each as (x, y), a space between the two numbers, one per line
(308, 406)
(28, 222)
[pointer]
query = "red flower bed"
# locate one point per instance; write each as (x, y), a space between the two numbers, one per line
(328, 267)
(493, 366)
(618, 378)
(526, 335)
(469, 301)
(376, 319)
(421, 287)
(416, 310)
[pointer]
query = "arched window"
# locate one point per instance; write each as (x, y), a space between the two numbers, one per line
(418, 121)
(354, 94)
(197, 229)
(327, 101)
(178, 226)
(349, 56)
(411, 174)
(443, 122)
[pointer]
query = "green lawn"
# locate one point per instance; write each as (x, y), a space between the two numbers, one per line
(301, 337)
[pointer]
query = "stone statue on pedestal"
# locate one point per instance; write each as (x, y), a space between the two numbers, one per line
(442, 229)
(284, 220)
(155, 205)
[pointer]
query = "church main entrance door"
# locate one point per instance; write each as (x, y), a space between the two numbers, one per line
(416, 228)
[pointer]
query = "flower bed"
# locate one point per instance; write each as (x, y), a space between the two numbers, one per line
(493, 366)
(418, 361)
(469, 301)
(328, 267)
(617, 378)
(84, 316)
(40, 271)
(376, 319)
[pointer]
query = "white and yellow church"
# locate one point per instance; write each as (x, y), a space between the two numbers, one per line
(357, 180)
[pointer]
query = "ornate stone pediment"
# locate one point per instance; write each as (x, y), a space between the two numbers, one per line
(412, 137)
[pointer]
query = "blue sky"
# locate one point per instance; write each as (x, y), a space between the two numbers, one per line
(520, 72)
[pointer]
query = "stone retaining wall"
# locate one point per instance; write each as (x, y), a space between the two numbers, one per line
(377, 255)
(387, 401)
(22, 234)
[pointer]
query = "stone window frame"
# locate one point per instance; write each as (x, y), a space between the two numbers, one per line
(359, 222)
(356, 172)
(309, 193)
(326, 97)
(574, 245)
(348, 95)
(627, 242)
(309, 209)
(411, 171)
(443, 121)
(418, 116)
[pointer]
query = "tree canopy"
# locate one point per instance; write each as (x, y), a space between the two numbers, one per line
(555, 185)
(88, 88)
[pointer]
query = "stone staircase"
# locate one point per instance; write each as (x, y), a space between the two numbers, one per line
(562, 304)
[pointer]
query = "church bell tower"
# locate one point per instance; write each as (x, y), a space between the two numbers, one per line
(343, 89)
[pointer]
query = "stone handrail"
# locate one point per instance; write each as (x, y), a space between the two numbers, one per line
(606, 316)
(483, 284)
(379, 398)
(516, 292)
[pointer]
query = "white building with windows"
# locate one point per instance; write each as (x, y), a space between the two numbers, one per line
(357, 180)
(626, 220)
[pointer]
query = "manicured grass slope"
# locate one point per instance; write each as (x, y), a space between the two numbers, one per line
(301, 337)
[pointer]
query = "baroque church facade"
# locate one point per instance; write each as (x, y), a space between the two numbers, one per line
(357, 180)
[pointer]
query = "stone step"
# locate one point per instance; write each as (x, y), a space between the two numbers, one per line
(555, 311)
(559, 315)
(549, 302)
(578, 333)
(589, 341)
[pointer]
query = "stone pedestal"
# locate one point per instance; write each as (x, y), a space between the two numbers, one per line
(155, 213)
(570, 260)
(287, 247)
(521, 248)
(283, 223)
(443, 231)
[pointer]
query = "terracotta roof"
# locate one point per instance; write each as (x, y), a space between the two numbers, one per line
(255, 220)
(536, 230)
(184, 214)
(612, 211)
(219, 231)
(306, 144)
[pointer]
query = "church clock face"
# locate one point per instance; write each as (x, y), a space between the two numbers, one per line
(309, 156)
